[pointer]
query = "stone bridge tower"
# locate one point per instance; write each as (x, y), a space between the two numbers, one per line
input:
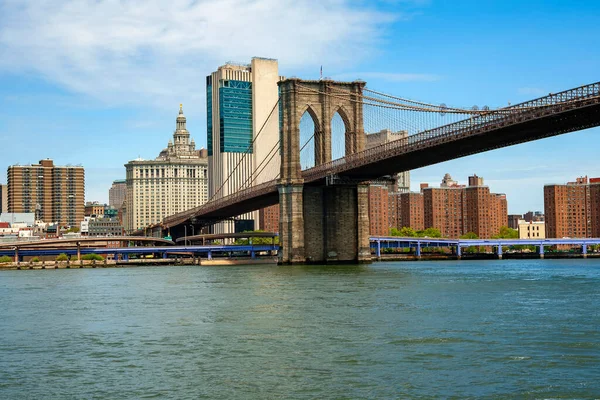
(321, 222)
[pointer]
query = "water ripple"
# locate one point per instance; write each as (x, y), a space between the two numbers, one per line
(475, 330)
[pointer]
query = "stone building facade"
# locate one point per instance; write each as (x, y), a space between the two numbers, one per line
(401, 179)
(117, 192)
(105, 227)
(177, 180)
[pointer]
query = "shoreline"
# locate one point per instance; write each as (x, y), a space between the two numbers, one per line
(173, 262)
(170, 262)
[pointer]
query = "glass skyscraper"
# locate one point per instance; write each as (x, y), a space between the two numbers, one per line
(240, 100)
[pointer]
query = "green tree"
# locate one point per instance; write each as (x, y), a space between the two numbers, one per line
(92, 256)
(469, 235)
(73, 229)
(430, 232)
(406, 231)
(506, 233)
(5, 259)
(62, 257)
(256, 240)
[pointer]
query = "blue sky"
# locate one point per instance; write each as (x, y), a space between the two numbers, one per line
(98, 83)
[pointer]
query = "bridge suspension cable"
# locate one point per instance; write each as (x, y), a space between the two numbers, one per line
(262, 166)
(246, 152)
(418, 106)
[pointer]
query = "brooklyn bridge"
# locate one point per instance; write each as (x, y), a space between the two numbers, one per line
(321, 184)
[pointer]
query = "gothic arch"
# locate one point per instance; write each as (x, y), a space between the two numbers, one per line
(322, 101)
(347, 135)
(308, 139)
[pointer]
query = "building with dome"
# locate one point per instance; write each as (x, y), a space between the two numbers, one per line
(175, 181)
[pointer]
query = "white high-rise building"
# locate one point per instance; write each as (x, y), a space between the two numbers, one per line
(243, 129)
(177, 180)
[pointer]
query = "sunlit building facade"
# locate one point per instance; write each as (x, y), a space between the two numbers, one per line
(55, 194)
(242, 129)
(176, 181)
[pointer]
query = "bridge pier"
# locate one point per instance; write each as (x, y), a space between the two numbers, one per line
(291, 223)
(541, 251)
(324, 224)
(584, 250)
(499, 251)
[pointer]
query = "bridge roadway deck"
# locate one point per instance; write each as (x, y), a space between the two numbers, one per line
(436, 242)
(552, 115)
(382, 242)
(376, 241)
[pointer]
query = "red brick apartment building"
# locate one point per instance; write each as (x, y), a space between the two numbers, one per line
(268, 218)
(573, 209)
(455, 209)
(379, 210)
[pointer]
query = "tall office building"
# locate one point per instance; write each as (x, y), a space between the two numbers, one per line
(117, 192)
(401, 179)
(573, 209)
(242, 128)
(177, 180)
(3, 199)
(55, 194)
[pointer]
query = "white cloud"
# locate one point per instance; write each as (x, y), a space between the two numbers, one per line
(131, 51)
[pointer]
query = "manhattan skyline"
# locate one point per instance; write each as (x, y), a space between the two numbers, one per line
(104, 89)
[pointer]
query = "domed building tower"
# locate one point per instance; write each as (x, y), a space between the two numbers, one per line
(176, 181)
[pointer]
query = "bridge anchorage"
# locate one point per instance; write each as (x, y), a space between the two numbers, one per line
(324, 203)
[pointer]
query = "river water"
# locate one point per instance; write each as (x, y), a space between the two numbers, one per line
(472, 329)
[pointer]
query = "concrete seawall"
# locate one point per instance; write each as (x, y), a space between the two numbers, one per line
(134, 263)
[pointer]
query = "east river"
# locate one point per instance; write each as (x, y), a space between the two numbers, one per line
(472, 329)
